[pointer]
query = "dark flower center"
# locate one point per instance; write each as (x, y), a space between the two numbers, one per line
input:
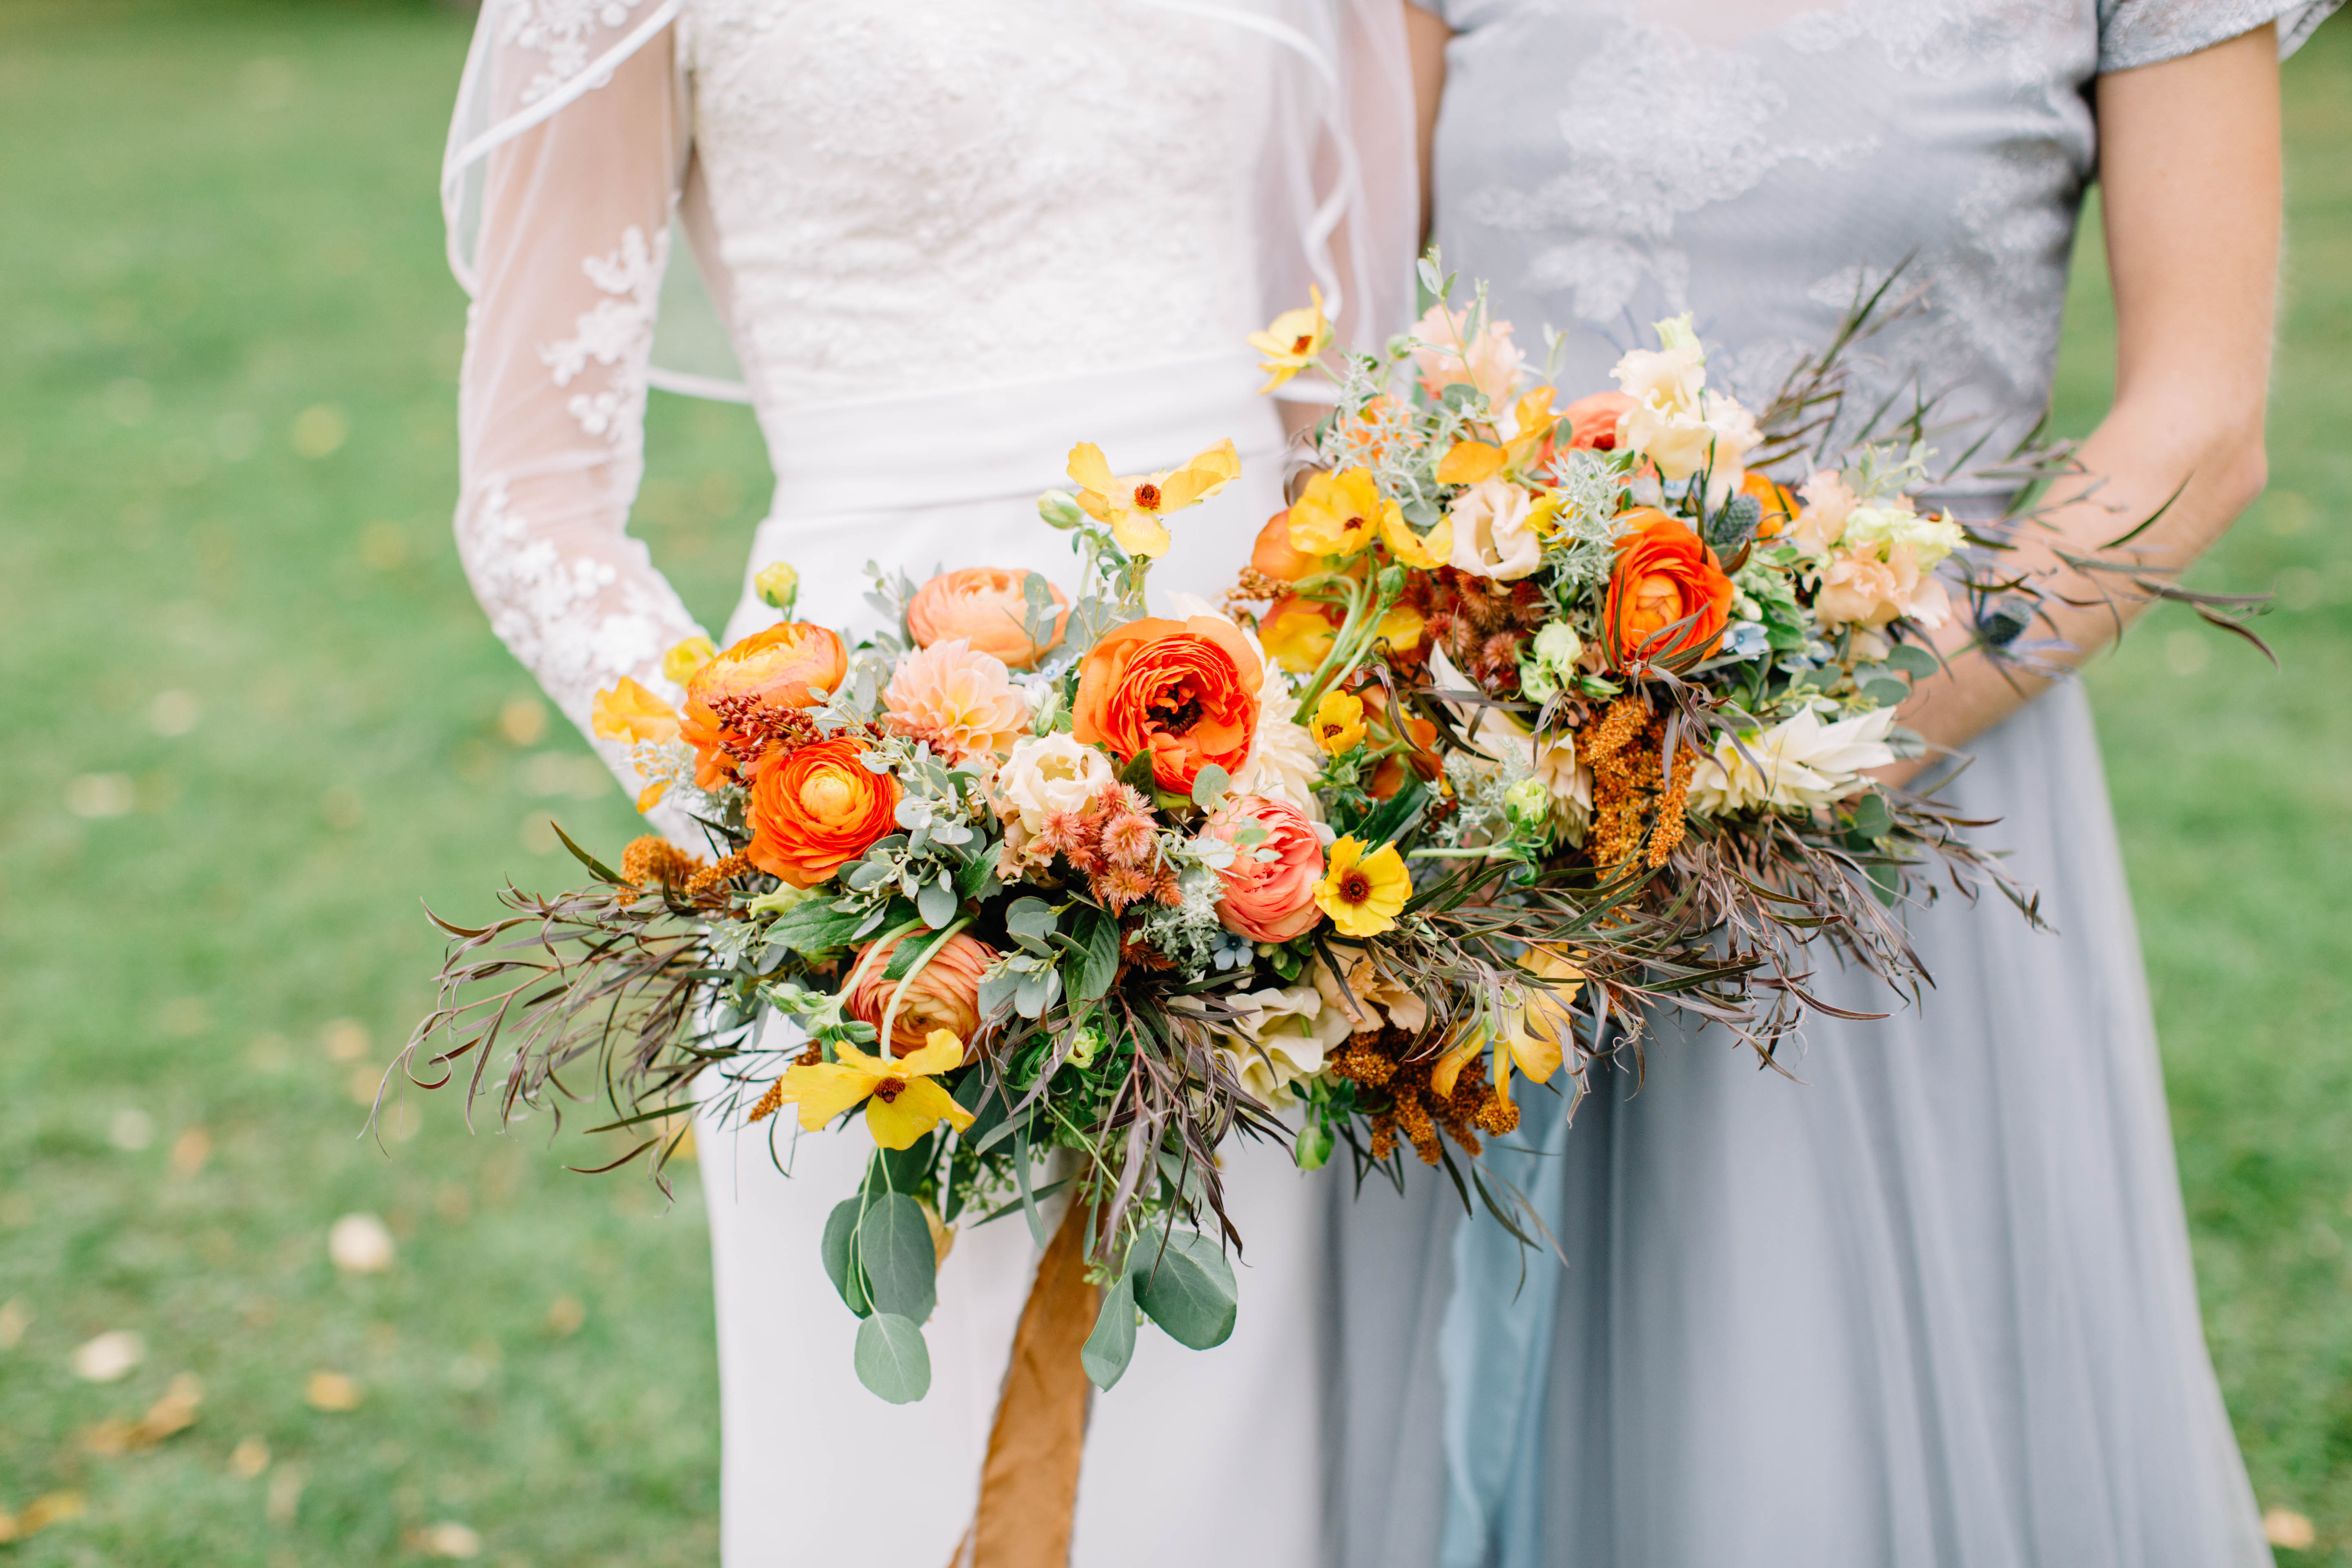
(1355, 887)
(1146, 496)
(1177, 711)
(890, 1089)
(1305, 341)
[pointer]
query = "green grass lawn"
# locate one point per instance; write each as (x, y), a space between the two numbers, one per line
(254, 716)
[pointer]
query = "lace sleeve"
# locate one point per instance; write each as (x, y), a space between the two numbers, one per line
(573, 235)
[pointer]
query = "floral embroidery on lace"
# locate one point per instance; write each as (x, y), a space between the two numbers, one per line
(617, 335)
(560, 30)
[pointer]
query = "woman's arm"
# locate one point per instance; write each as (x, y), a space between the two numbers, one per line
(1425, 35)
(2188, 171)
(575, 228)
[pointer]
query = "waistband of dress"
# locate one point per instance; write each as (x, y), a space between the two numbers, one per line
(985, 443)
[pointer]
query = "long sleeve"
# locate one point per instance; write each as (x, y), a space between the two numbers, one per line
(574, 234)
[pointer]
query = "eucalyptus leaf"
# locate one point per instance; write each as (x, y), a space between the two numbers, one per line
(1886, 691)
(892, 1359)
(1912, 658)
(839, 1250)
(1112, 1344)
(996, 989)
(812, 928)
(1871, 818)
(1210, 789)
(1036, 992)
(894, 1248)
(1030, 922)
(937, 901)
(1186, 1287)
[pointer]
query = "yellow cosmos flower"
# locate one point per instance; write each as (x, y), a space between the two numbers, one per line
(680, 662)
(1422, 551)
(1527, 1033)
(1292, 341)
(1363, 894)
(1340, 513)
(1134, 505)
(1339, 721)
(904, 1099)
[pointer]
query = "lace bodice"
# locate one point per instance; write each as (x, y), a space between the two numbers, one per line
(887, 196)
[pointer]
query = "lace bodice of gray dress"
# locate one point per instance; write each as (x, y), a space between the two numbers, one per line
(1931, 1305)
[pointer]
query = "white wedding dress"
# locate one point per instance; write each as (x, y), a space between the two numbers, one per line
(947, 240)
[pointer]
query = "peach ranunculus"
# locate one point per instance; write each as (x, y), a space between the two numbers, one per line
(1871, 585)
(1592, 421)
(988, 607)
(1664, 575)
(1270, 885)
(1448, 354)
(962, 701)
(1493, 531)
(1185, 691)
(943, 994)
(781, 669)
(816, 808)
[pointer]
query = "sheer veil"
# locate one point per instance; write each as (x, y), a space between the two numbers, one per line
(1338, 202)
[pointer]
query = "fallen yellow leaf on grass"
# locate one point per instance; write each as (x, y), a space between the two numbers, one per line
(447, 1539)
(248, 1458)
(52, 1508)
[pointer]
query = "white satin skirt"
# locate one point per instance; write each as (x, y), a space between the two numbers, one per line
(1192, 1451)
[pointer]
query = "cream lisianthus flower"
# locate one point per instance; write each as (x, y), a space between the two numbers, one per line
(1871, 584)
(1046, 773)
(1282, 1037)
(1494, 535)
(1676, 421)
(1805, 764)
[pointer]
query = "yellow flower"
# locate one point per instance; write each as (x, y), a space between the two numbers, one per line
(1469, 462)
(630, 712)
(1134, 505)
(1401, 628)
(904, 1099)
(680, 662)
(1292, 341)
(1535, 420)
(1339, 513)
(1363, 894)
(1422, 551)
(1295, 635)
(778, 586)
(1525, 1031)
(1340, 722)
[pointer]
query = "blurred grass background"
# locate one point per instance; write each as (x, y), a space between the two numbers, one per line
(254, 716)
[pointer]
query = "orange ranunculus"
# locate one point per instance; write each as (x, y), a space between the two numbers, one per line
(988, 607)
(1297, 633)
(1592, 421)
(784, 667)
(1664, 575)
(816, 808)
(1275, 556)
(1780, 507)
(1400, 724)
(1185, 691)
(943, 994)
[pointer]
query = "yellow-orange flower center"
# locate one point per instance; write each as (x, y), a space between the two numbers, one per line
(826, 795)
(1146, 496)
(1302, 343)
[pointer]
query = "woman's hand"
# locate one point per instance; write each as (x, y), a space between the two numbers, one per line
(2188, 170)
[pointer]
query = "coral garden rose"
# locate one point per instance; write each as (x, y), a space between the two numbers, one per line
(962, 701)
(815, 809)
(987, 606)
(943, 994)
(784, 667)
(1270, 886)
(1664, 575)
(1185, 691)
(1592, 421)
(1276, 557)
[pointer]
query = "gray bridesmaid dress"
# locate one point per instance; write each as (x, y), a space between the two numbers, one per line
(1932, 1304)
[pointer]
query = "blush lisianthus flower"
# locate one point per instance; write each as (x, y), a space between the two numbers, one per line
(1798, 765)
(1829, 501)
(1136, 506)
(962, 701)
(988, 607)
(1494, 532)
(943, 994)
(1269, 886)
(1447, 352)
(1871, 584)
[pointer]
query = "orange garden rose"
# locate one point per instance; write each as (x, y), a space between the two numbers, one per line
(815, 809)
(986, 606)
(783, 667)
(1185, 691)
(943, 994)
(1592, 421)
(1664, 574)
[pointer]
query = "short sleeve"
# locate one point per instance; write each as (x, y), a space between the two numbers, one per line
(2148, 32)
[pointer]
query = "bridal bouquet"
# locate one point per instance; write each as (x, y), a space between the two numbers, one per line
(1059, 897)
